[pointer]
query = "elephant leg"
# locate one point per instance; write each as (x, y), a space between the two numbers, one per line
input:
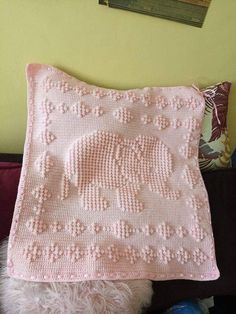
(92, 200)
(163, 189)
(127, 201)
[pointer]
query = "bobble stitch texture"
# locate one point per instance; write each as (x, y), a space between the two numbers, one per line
(39, 209)
(131, 97)
(187, 151)
(74, 253)
(147, 254)
(123, 115)
(181, 232)
(146, 119)
(36, 225)
(48, 84)
(191, 124)
(161, 122)
(188, 137)
(62, 86)
(190, 176)
(146, 100)
(115, 95)
(165, 255)
(46, 137)
(148, 230)
(75, 227)
(113, 253)
(95, 228)
(41, 193)
(44, 164)
(120, 164)
(81, 91)
(131, 254)
(65, 187)
(182, 256)
(175, 123)
(63, 108)
(98, 93)
(165, 230)
(80, 109)
(32, 252)
(177, 103)
(98, 111)
(47, 106)
(122, 229)
(199, 257)
(53, 252)
(56, 227)
(161, 102)
(198, 233)
(194, 202)
(95, 252)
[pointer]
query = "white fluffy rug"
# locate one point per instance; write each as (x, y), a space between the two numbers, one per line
(88, 297)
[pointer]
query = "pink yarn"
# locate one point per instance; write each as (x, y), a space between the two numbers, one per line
(110, 185)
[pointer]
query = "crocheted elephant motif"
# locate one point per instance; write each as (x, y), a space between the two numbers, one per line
(110, 161)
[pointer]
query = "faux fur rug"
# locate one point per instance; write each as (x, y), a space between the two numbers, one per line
(95, 297)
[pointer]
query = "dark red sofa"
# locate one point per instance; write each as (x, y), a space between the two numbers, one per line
(221, 187)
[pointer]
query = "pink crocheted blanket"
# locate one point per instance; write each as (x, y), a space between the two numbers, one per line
(110, 185)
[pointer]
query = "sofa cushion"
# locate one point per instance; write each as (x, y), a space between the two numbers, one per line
(214, 149)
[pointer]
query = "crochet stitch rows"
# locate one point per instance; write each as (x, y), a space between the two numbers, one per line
(110, 186)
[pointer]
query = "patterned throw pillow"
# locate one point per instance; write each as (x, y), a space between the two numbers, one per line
(110, 185)
(214, 149)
